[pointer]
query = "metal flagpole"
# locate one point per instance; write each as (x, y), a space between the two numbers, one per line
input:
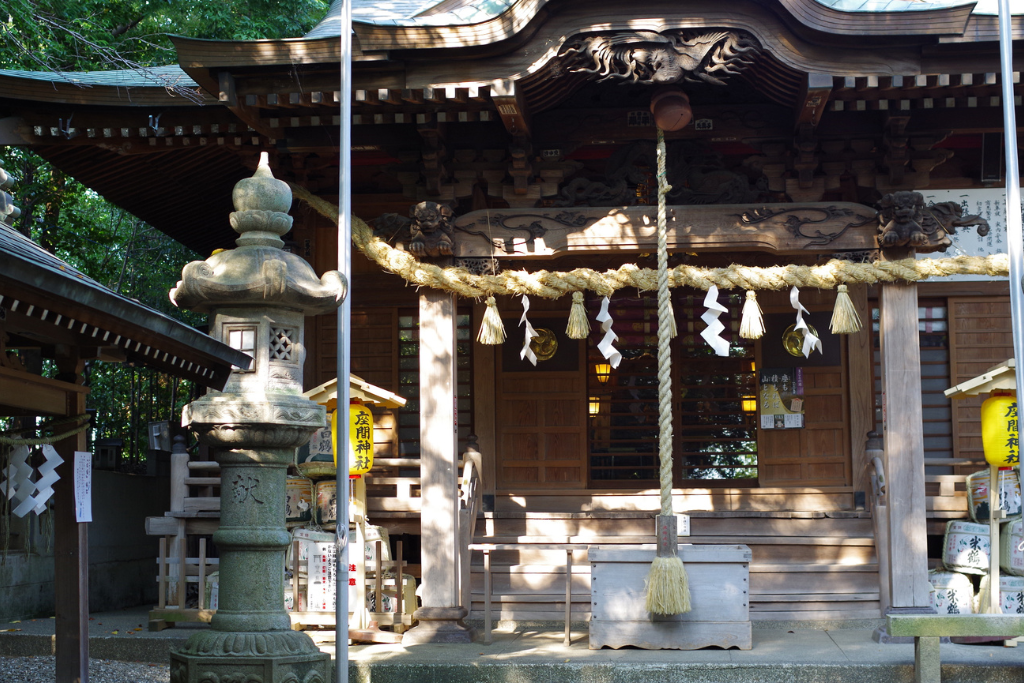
(344, 347)
(1014, 236)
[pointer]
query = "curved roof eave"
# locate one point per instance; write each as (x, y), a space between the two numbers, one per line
(819, 21)
(162, 85)
(483, 23)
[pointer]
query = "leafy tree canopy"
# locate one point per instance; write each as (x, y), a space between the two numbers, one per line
(83, 35)
(102, 240)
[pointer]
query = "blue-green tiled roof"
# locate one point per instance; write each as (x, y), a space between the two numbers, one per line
(157, 76)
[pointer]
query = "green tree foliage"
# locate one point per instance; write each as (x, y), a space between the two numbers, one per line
(83, 35)
(73, 222)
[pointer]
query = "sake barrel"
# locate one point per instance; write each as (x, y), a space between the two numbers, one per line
(1011, 548)
(1009, 494)
(1011, 594)
(953, 594)
(966, 547)
(327, 503)
(298, 501)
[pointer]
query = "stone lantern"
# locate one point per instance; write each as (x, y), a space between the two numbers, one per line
(257, 296)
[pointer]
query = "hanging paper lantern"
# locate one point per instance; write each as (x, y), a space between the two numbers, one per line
(360, 438)
(999, 430)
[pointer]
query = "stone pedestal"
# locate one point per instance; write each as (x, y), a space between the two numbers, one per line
(439, 625)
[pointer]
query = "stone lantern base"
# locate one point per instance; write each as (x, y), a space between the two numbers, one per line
(260, 657)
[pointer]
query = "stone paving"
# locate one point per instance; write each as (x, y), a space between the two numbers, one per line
(525, 654)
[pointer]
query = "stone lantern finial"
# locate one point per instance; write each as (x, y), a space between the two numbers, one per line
(261, 208)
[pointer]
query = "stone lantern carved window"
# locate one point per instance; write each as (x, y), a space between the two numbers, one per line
(243, 339)
(282, 348)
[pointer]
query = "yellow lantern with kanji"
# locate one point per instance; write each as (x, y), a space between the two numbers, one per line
(999, 429)
(360, 438)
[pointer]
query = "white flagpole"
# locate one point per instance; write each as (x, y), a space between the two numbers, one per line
(1014, 236)
(344, 347)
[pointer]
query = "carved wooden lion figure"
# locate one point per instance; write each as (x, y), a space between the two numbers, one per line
(431, 230)
(900, 218)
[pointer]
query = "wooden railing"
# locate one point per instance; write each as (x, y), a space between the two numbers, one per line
(470, 501)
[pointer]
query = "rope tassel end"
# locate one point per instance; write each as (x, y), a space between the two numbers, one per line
(492, 331)
(845, 319)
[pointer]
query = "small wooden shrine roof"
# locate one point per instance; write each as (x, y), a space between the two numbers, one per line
(46, 302)
(327, 394)
(1001, 377)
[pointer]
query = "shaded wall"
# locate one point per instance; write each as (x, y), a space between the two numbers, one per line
(122, 558)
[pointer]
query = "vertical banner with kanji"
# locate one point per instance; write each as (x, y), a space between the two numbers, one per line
(781, 399)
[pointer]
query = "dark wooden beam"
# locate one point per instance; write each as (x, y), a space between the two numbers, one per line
(511, 106)
(814, 98)
(70, 545)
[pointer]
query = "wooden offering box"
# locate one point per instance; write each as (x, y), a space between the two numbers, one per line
(719, 577)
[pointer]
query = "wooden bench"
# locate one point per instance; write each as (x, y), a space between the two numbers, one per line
(927, 629)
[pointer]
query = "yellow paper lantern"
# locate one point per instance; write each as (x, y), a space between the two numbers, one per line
(360, 438)
(999, 430)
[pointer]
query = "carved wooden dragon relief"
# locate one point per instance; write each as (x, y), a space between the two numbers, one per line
(660, 58)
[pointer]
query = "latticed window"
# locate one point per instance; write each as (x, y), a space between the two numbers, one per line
(243, 338)
(409, 381)
(715, 436)
(933, 334)
(282, 344)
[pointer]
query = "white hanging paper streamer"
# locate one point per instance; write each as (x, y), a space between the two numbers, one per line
(714, 325)
(527, 352)
(811, 342)
(19, 487)
(47, 477)
(606, 345)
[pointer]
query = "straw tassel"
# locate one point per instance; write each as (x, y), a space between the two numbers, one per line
(752, 322)
(579, 326)
(844, 318)
(492, 332)
(668, 587)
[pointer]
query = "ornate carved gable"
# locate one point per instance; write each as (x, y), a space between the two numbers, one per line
(659, 58)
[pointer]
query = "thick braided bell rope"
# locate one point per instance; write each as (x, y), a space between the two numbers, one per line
(665, 324)
(552, 285)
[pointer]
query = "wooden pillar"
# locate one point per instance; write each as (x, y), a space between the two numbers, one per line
(484, 383)
(861, 368)
(70, 549)
(904, 447)
(441, 615)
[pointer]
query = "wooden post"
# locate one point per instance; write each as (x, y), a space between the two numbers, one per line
(860, 359)
(483, 411)
(70, 548)
(399, 625)
(487, 596)
(995, 516)
(441, 615)
(904, 446)
(567, 641)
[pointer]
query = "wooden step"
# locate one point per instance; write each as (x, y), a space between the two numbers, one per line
(753, 499)
(642, 540)
(699, 526)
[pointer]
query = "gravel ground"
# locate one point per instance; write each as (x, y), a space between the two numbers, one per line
(42, 670)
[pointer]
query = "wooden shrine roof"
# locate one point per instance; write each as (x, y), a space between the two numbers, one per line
(877, 68)
(45, 302)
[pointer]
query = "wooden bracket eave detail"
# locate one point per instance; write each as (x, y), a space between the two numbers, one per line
(814, 98)
(511, 106)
